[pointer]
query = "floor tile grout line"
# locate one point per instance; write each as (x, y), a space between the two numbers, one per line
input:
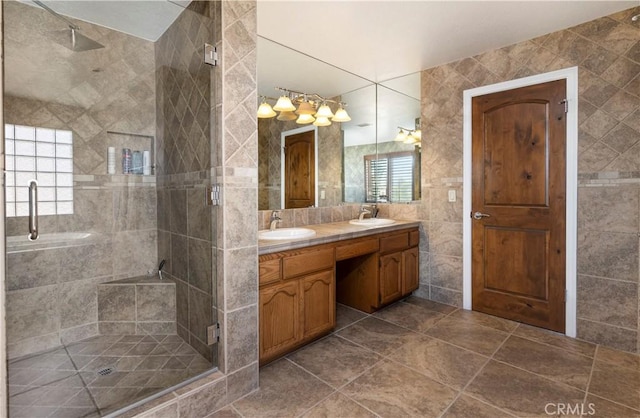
(86, 386)
(593, 366)
(489, 358)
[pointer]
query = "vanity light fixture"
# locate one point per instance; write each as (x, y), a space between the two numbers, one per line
(310, 108)
(408, 136)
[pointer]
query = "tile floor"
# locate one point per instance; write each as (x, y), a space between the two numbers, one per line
(420, 358)
(65, 382)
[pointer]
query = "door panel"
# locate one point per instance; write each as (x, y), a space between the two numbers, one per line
(279, 318)
(411, 270)
(390, 277)
(518, 250)
(318, 303)
(300, 170)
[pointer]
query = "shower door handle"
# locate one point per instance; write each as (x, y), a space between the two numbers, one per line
(33, 210)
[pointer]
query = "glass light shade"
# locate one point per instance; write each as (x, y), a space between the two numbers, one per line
(284, 105)
(341, 115)
(417, 134)
(411, 139)
(322, 121)
(306, 108)
(305, 118)
(324, 111)
(265, 111)
(401, 137)
(287, 115)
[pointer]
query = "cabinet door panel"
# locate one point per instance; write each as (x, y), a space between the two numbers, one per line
(318, 303)
(279, 318)
(390, 277)
(411, 270)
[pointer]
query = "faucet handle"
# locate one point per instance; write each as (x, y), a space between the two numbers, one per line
(275, 215)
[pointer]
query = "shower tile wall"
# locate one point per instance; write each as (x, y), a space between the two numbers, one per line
(51, 293)
(184, 166)
(606, 51)
(269, 170)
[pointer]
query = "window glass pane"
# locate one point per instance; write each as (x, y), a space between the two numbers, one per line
(25, 132)
(64, 151)
(9, 146)
(46, 135)
(25, 164)
(10, 178)
(25, 148)
(8, 131)
(45, 150)
(46, 165)
(64, 137)
(64, 166)
(46, 179)
(64, 180)
(23, 179)
(64, 193)
(10, 194)
(65, 208)
(22, 209)
(47, 208)
(22, 194)
(45, 154)
(46, 194)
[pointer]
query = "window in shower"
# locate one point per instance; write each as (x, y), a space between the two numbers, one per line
(45, 155)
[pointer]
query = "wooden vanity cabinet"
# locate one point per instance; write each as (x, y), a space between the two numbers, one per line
(399, 266)
(299, 288)
(297, 299)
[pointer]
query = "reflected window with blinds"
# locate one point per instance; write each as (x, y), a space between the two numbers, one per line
(392, 177)
(42, 154)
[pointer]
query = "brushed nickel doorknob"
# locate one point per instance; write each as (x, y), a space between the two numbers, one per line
(480, 215)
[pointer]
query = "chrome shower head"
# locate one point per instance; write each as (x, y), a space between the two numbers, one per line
(70, 38)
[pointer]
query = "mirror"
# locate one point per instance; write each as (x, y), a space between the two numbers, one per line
(347, 152)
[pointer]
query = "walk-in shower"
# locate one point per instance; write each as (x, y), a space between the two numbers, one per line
(92, 328)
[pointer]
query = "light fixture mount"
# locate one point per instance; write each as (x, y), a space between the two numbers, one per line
(315, 107)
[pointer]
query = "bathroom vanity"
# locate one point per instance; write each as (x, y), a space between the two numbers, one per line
(301, 280)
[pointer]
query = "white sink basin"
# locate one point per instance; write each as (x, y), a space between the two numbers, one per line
(372, 222)
(286, 233)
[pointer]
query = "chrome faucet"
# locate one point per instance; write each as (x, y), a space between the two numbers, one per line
(363, 211)
(275, 220)
(373, 211)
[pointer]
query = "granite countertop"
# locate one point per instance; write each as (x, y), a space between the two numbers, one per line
(330, 232)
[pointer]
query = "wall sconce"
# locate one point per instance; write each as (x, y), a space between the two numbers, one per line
(312, 108)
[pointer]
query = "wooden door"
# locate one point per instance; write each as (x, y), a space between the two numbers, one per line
(300, 170)
(518, 248)
(390, 277)
(410, 270)
(318, 303)
(279, 318)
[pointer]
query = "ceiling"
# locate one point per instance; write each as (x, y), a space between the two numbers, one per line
(379, 40)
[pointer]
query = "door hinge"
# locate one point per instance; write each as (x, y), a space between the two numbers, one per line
(566, 105)
(213, 333)
(213, 195)
(210, 55)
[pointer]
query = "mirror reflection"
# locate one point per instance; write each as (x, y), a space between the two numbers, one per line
(326, 162)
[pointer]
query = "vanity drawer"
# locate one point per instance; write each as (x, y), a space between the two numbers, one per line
(357, 248)
(270, 271)
(308, 262)
(394, 242)
(414, 238)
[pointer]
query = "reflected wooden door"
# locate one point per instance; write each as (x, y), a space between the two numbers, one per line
(518, 204)
(300, 170)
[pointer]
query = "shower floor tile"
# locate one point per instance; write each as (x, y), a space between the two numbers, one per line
(97, 376)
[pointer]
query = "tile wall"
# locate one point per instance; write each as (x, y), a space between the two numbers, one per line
(51, 293)
(607, 53)
(184, 163)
